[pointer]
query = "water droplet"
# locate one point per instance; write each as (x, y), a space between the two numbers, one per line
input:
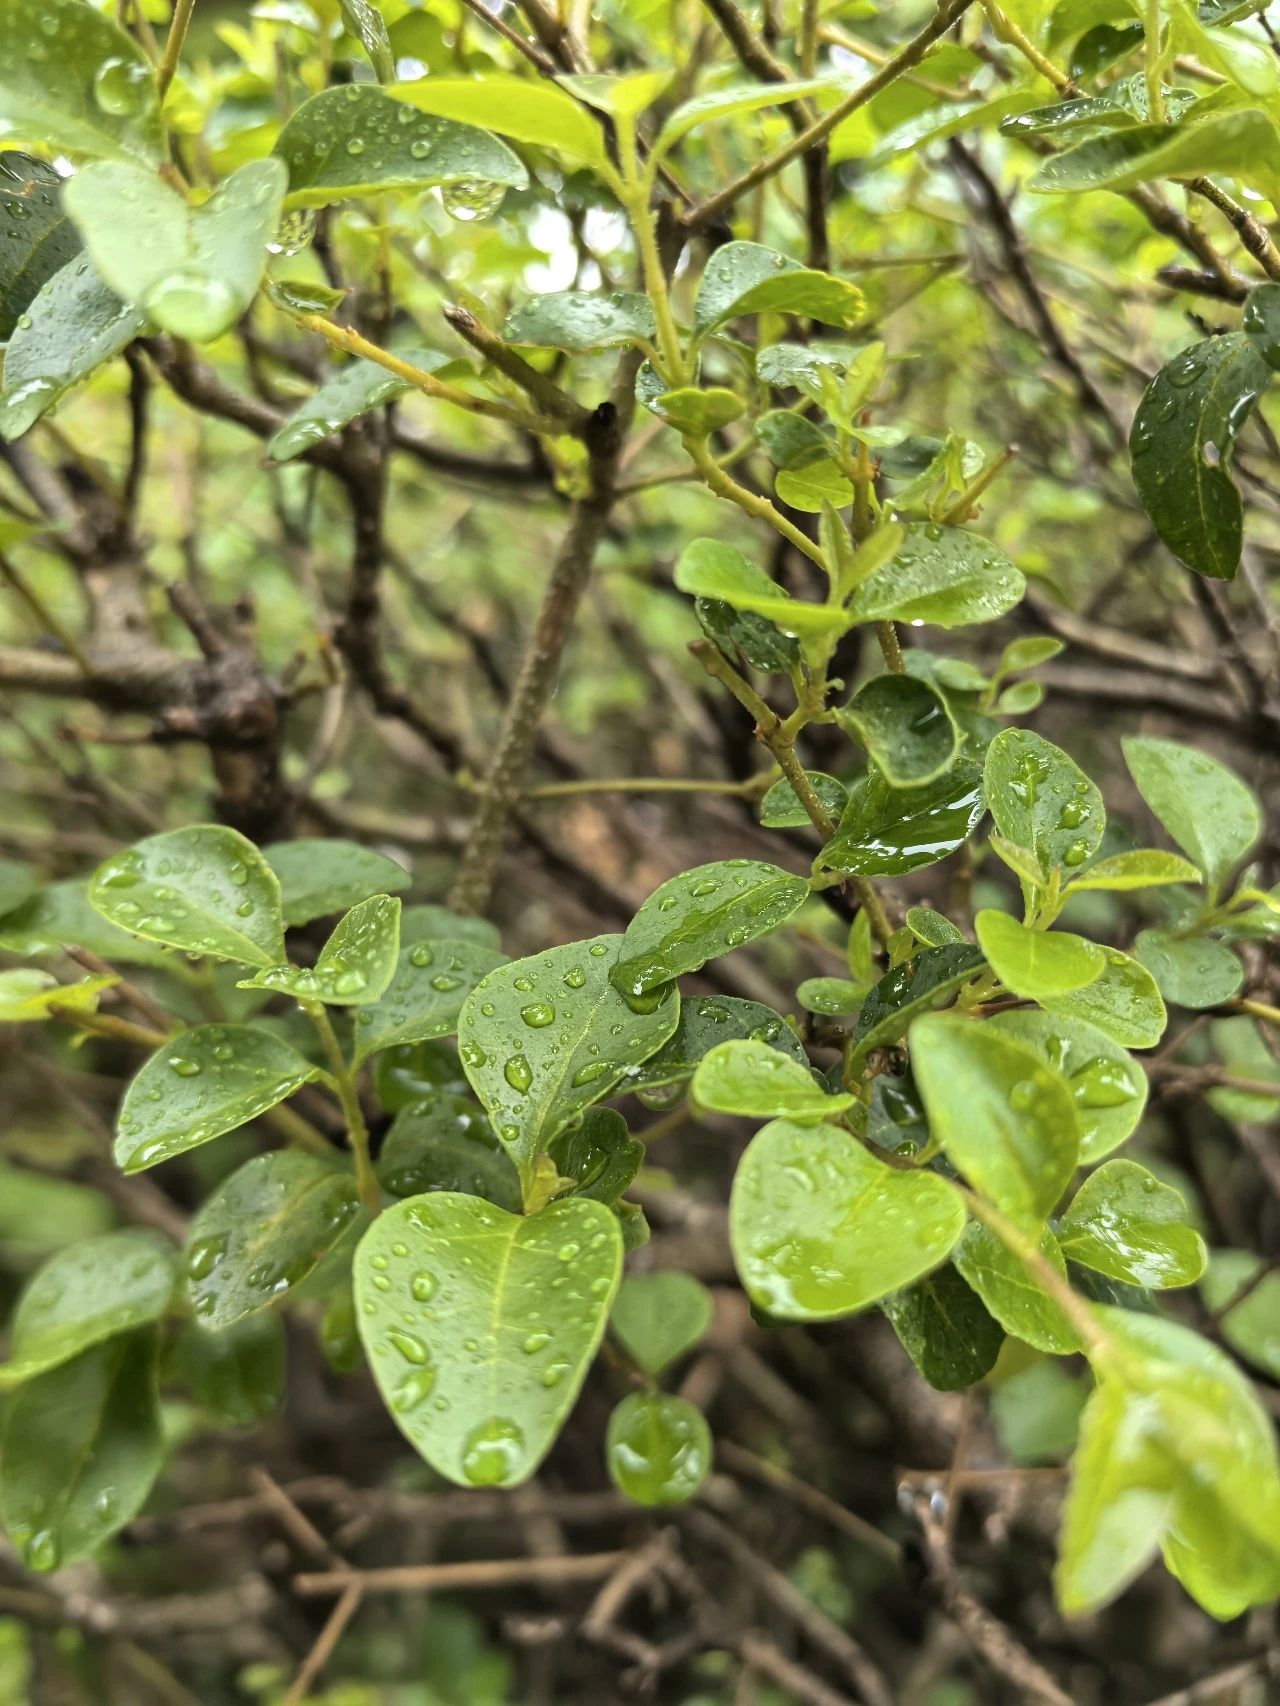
(423, 1286)
(471, 198)
(538, 1014)
(421, 955)
(493, 1453)
(518, 1073)
(294, 232)
(575, 977)
(535, 1342)
(192, 305)
(119, 86)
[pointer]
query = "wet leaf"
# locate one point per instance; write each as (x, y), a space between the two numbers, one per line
(705, 1021)
(1242, 143)
(355, 389)
(747, 278)
(887, 831)
(943, 576)
(1042, 801)
(431, 982)
(710, 569)
(931, 927)
(1014, 1297)
(72, 80)
(1190, 971)
(578, 320)
(206, 890)
(59, 915)
(523, 108)
(737, 98)
(1141, 868)
(237, 1374)
(781, 808)
(37, 240)
(480, 1325)
(201, 1083)
(741, 631)
(752, 1078)
(1107, 1085)
(926, 981)
(1205, 807)
(906, 728)
(320, 877)
(657, 1448)
(696, 412)
(1124, 1223)
(444, 1144)
(832, 996)
(658, 1317)
(28, 995)
(945, 1329)
(1122, 1001)
(599, 1155)
(1036, 963)
(364, 21)
(355, 965)
(792, 439)
(1260, 320)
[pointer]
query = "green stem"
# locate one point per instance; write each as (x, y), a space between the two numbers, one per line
(352, 1113)
(636, 200)
(173, 47)
(747, 790)
(754, 505)
(1259, 1010)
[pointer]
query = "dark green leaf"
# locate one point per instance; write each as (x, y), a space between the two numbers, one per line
(781, 808)
(887, 831)
(237, 1374)
(430, 923)
(906, 728)
(943, 576)
(425, 996)
(37, 239)
(708, 568)
(791, 439)
(700, 915)
(945, 1329)
(706, 1021)
(578, 320)
(599, 1155)
(1242, 143)
(760, 643)
(319, 877)
(363, 19)
(444, 1144)
(1261, 322)
(926, 981)
(70, 79)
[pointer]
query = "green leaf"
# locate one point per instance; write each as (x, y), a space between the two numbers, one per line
(364, 21)
(431, 923)
(1252, 1326)
(742, 632)
(700, 915)
(1242, 143)
(1042, 801)
(624, 97)
(193, 271)
(657, 1448)
(425, 997)
(320, 877)
(444, 1144)
(946, 1329)
(201, 1083)
(1123, 1002)
(1036, 963)
(792, 439)
(1124, 1223)
(751, 1078)
(781, 808)
(709, 569)
(263, 1231)
(522, 108)
(658, 1317)
(888, 831)
(72, 80)
(1181, 443)
(599, 1155)
(926, 981)
(81, 1449)
(1015, 1299)
(1037, 1413)
(747, 278)
(206, 890)
(802, 367)
(905, 726)
(37, 241)
(1260, 320)
(1141, 868)
(356, 141)
(355, 389)
(28, 995)
(74, 324)
(578, 320)
(1190, 971)
(60, 915)
(1243, 1052)
(820, 1227)
(943, 576)
(1107, 1085)
(89, 1291)
(814, 486)
(355, 965)
(1205, 807)
(705, 1021)
(1004, 1118)
(695, 412)
(41, 1213)
(737, 98)
(238, 1374)
(832, 996)
(480, 1325)
(543, 1038)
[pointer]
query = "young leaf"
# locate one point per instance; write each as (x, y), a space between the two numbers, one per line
(37, 241)
(658, 1317)
(1190, 971)
(710, 569)
(1124, 1223)
(1141, 868)
(696, 412)
(193, 271)
(1107, 1085)
(931, 927)
(751, 1078)
(705, 1021)
(927, 980)
(579, 320)
(90, 1291)
(1181, 443)
(321, 877)
(201, 1083)
(1014, 1297)
(946, 1329)
(353, 390)
(657, 1448)
(700, 915)
(522, 108)
(445, 1144)
(28, 995)
(943, 576)
(71, 79)
(356, 141)
(1042, 801)
(80, 1451)
(623, 97)
(1005, 1119)
(820, 1227)
(888, 831)
(815, 487)
(747, 278)
(364, 21)
(832, 996)
(737, 98)
(1242, 143)
(1205, 807)
(543, 1038)
(263, 1231)
(906, 727)
(425, 997)
(480, 1360)
(355, 965)
(1122, 1001)
(1036, 963)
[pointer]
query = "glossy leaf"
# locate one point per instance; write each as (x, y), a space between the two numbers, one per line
(1108, 1086)
(73, 325)
(1243, 143)
(599, 1155)
(946, 1329)
(480, 1360)
(1260, 320)
(658, 1317)
(706, 1021)
(1042, 800)
(543, 1038)
(37, 240)
(1250, 1326)
(201, 1083)
(752, 1078)
(206, 890)
(729, 102)
(710, 569)
(931, 927)
(444, 1144)
(1005, 1119)
(695, 412)
(59, 915)
(1122, 1001)
(74, 81)
(425, 997)
(1190, 971)
(356, 141)
(747, 278)
(820, 1227)
(523, 108)
(1036, 963)
(80, 1451)
(781, 807)
(833, 996)
(193, 271)
(942, 576)
(814, 487)
(792, 439)
(1141, 868)
(700, 915)
(320, 877)
(658, 1448)
(888, 831)
(353, 390)
(92, 1290)
(263, 1231)
(906, 728)
(1205, 807)
(578, 320)
(741, 633)
(363, 19)
(1124, 1223)
(928, 980)
(1013, 1295)
(355, 965)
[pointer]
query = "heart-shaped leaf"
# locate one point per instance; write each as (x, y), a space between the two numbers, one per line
(73, 325)
(73, 80)
(425, 997)
(1124, 1223)
(906, 727)
(355, 965)
(943, 576)
(752, 1078)
(820, 1227)
(320, 877)
(887, 831)
(480, 1325)
(658, 1317)
(1107, 1085)
(657, 1448)
(1036, 963)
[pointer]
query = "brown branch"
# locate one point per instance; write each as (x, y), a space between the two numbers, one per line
(436, 1578)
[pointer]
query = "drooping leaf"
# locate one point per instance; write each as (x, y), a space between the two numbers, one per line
(820, 1227)
(763, 645)
(942, 576)
(89, 1291)
(658, 1448)
(1205, 807)
(1190, 971)
(1014, 1297)
(193, 271)
(201, 1083)
(599, 1155)
(706, 1021)
(1005, 1119)
(906, 727)
(355, 389)
(1122, 1001)
(1107, 1085)
(747, 278)
(263, 1231)
(431, 982)
(700, 915)
(444, 1143)
(926, 981)
(751, 1078)
(1041, 800)
(543, 1038)
(321, 876)
(206, 890)
(73, 325)
(356, 141)
(888, 831)
(71, 79)
(236, 1374)
(523, 108)
(1036, 963)
(578, 320)
(355, 965)
(480, 1360)
(37, 239)
(657, 1317)
(1124, 1223)
(946, 1329)
(1242, 143)
(708, 569)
